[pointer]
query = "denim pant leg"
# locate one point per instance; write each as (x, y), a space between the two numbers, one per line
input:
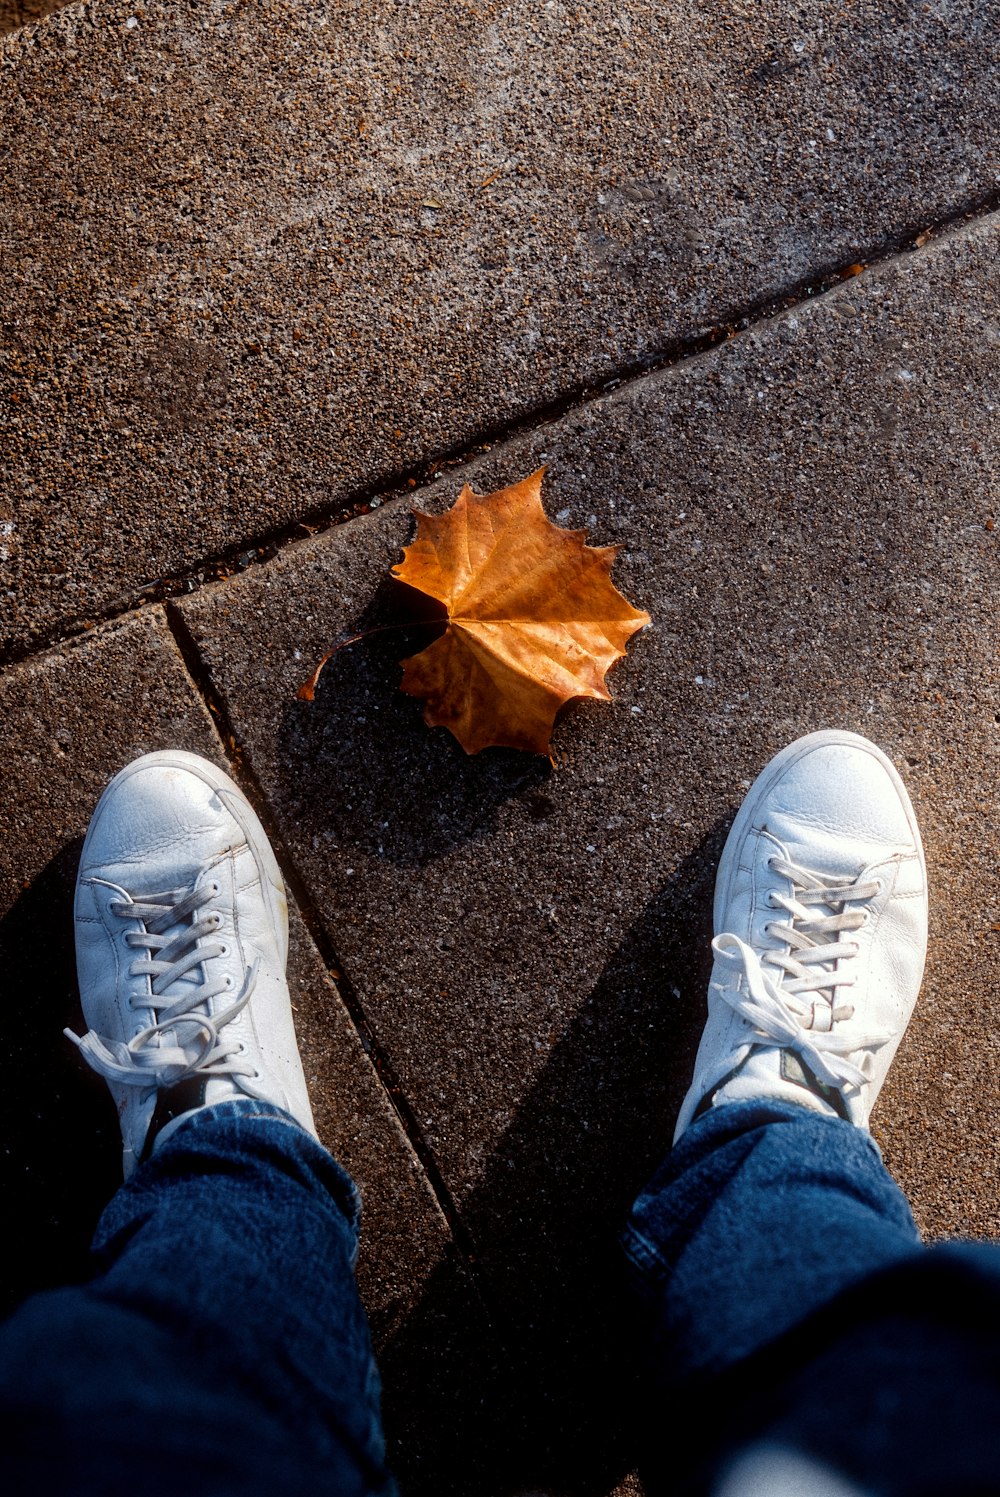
(220, 1346)
(786, 1303)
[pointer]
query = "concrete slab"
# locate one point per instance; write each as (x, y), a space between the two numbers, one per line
(809, 513)
(257, 259)
(71, 719)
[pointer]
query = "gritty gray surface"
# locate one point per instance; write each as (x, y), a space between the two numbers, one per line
(807, 515)
(71, 719)
(253, 257)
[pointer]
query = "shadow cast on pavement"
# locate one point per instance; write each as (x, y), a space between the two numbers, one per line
(412, 806)
(61, 1155)
(557, 1416)
(554, 1415)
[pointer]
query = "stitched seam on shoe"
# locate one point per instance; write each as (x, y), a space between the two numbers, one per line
(236, 908)
(110, 933)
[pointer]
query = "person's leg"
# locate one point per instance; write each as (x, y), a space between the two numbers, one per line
(788, 1309)
(220, 1345)
(761, 1213)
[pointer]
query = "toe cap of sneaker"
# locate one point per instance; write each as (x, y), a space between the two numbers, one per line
(163, 812)
(837, 790)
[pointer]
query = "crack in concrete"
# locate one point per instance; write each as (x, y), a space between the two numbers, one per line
(248, 553)
(204, 687)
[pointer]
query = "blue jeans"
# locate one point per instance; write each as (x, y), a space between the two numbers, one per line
(787, 1306)
(220, 1346)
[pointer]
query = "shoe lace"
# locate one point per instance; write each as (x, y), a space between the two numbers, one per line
(776, 1002)
(176, 930)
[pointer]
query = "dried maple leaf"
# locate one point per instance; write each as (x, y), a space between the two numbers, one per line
(533, 618)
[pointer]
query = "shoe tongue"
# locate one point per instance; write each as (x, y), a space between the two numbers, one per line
(189, 982)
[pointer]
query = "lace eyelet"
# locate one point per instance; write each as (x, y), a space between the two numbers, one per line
(229, 981)
(224, 950)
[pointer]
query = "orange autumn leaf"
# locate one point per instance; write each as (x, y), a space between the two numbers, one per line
(533, 618)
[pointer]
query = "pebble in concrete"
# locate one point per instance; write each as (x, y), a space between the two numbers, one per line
(73, 718)
(257, 257)
(809, 514)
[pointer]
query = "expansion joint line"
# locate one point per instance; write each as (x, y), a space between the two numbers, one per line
(246, 779)
(731, 325)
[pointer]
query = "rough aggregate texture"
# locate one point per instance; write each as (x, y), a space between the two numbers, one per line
(256, 256)
(809, 514)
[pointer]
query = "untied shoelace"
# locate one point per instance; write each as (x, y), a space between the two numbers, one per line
(773, 1003)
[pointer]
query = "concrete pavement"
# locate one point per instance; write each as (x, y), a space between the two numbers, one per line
(499, 963)
(262, 261)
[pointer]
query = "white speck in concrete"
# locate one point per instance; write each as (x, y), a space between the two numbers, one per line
(132, 22)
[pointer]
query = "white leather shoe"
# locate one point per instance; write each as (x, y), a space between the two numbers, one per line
(820, 934)
(181, 944)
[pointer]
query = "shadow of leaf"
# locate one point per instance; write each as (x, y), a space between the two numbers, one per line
(413, 804)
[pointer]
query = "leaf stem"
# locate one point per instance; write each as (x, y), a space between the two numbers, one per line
(307, 691)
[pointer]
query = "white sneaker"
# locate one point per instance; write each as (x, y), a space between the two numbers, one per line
(821, 933)
(181, 945)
